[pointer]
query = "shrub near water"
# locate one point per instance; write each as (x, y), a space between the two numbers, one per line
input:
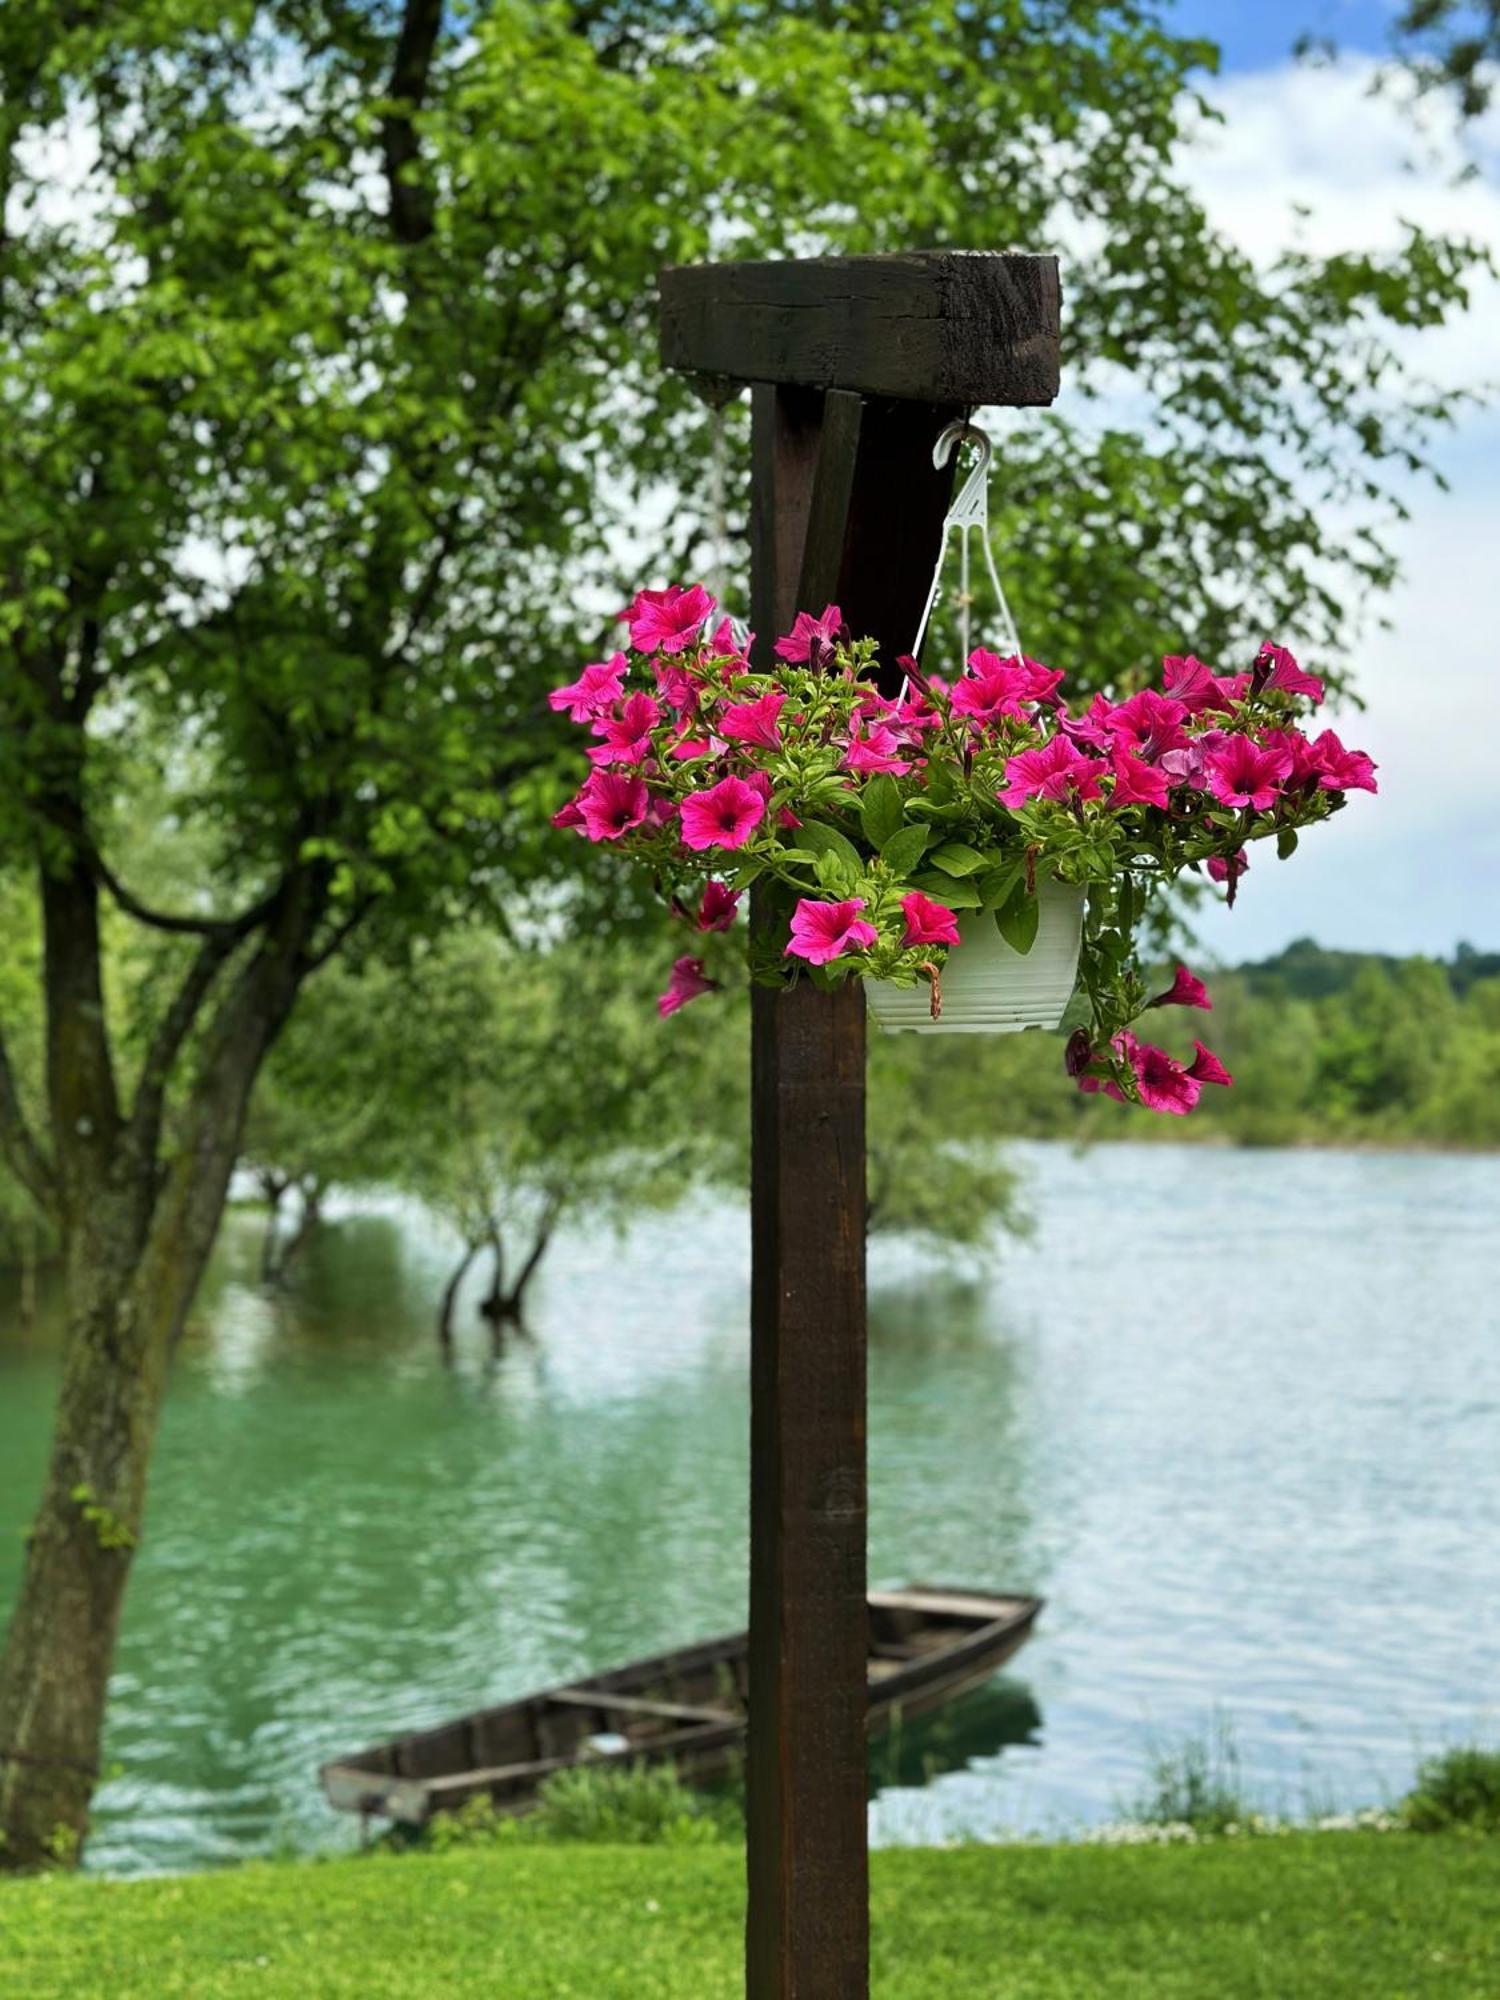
(1458, 1791)
(640, 1807)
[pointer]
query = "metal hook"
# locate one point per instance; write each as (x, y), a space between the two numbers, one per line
(957, 433)
(970, 511)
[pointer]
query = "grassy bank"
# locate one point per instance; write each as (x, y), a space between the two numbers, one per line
(1324, 1915)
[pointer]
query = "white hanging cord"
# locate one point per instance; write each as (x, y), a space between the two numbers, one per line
(969, 513)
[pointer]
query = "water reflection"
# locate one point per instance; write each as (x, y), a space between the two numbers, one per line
(1246, 1482)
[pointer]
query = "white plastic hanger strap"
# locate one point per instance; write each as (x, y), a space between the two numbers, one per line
(969, 514)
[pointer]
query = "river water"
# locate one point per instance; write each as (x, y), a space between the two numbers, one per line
(1236, 1415)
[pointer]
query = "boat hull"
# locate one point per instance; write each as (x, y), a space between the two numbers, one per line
(928, 1645)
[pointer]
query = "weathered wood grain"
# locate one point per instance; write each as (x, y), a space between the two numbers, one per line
(960, 327)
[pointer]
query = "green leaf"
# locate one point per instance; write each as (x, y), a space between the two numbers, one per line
(835, 874)
(904, 850)
(948, 889)
(996, 885)
(1286, 843)
(828, 840)
(748, 872)
(954, 858)
(1017, 919)
(880, 812)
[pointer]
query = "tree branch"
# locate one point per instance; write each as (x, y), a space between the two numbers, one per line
(232, 928)
(19, 1143)
(144, 1130)
(411, 214)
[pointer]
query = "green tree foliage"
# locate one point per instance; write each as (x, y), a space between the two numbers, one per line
(329, 388)
(1326, 1048)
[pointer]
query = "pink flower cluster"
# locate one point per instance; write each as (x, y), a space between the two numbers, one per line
(695, 757)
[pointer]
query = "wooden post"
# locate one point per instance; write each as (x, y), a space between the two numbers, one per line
(857, 364)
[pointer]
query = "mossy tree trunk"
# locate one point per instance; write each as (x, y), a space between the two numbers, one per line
(137, 1226)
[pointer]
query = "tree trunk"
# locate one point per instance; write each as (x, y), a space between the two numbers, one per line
(511, 1307)
(273, 1189)
(450, 1299)
(135, 1244)
(307, 1222)
(492, 1305)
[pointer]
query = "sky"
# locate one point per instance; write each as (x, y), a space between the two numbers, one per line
(1418, 868)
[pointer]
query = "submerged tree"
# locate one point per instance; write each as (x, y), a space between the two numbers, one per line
(328, 375)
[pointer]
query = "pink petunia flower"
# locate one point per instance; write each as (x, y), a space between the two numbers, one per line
(1285, 676)
(1187, 680)
(724, 646)
(1186, 990)
(668, 621)
(1163, 1083)
(927, 922)
(676, 685)
(1206, 1067)
(598, 687)
(1341, 770)
(878, 750)
(1091, 729)
(1056, 771)
(991, 689)
(1240, 773)
(824, 931)
(1137, 783)
(1229, 871)
(569, 815)
(611, 803)
(716, 911)
(811, 639)
(687, 983)
(627, 736)
(754, 722)
(725, 815)
(1150, 724)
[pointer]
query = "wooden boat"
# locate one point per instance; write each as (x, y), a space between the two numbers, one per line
(687, 1708)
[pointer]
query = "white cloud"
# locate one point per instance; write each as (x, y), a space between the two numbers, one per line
(1418, 868)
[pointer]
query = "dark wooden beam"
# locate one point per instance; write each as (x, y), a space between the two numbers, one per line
(960, 327)
(847, 506)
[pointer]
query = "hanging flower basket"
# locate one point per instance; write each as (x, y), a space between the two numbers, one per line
(987, 987)
(960, 847)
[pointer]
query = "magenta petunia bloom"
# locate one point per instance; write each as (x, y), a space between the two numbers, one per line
(611, 803)
(1229, 872)
(878, 750)
(754, 722)
(1091, 729)
(569, 815)
(810, 638)
(1206, 1067)
(927, 922)
(1285, 676)
(1341, 770)
(668, 621)
(627, 736)
(824, 931)
(1186, 990)
(677, 687)
(724, 646)
(597, 688)
(1187, 680)
(991, 689)
(687, 983)
(1137, 783)
(716, 911)
(1240, 773)
(725, 815)
(1149, 724)
(1056, 771)
(1163, 1083)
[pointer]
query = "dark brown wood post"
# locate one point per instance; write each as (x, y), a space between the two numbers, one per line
(857, 363)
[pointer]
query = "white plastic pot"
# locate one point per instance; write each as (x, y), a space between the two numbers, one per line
(989, 989)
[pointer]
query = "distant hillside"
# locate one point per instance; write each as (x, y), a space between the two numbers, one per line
(1308, 971)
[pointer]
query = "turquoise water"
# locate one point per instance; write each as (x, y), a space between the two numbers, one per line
(1236, 1415)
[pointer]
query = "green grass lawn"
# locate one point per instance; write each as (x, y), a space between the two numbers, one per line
(1380, 1917)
